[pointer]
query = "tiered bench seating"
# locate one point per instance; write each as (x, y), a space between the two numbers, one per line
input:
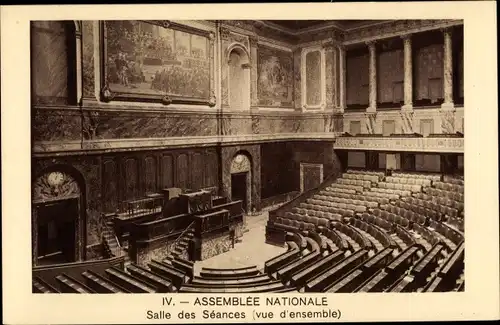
(176, 276)
(272, 286)
(40, 286)
(300, 278)
(68, 284)
(100, 284)
(161, 284)
(352, 280)
(319, 283)
(231, 281)
(129, 282)
(229, 273)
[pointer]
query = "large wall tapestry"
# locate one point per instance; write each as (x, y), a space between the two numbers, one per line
(158, 61)
(275, 82)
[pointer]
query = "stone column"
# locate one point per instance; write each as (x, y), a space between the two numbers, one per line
(253, 73)
(342, 78)
(408, 73)
(372, 107)
(447, 108)
(447, 70)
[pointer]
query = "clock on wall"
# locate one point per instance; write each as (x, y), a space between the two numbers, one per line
(55, 179)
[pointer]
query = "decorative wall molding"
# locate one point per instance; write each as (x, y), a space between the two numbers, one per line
(322, 78)
(111, 145)
(55, 186)
(240, 164)
(308, 165)
(448, 145)
(394, 28)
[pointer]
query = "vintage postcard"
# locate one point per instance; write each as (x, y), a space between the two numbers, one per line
(249, 163)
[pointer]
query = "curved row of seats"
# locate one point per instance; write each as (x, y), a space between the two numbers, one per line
(449, 187)
(400, 187)
(414, 234)
(326, 209)
(355, 188)
(432, 177)
(356, 182)
(366, 172)
(445, 194)
(408, 181)
(363, 177)
(440, 201)
(391, 191)
(333, 204)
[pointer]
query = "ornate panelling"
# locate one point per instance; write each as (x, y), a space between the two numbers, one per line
(51, 56)
(150, 174)
(402, 144)
(88, 58)
(357, 80)
(109, 185)
(167, 171)
(182, 168)
(394, 28)
(130, 177)
(390, 72)
(275, 77)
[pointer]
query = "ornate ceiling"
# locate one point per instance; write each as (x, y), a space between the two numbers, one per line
(298, 25)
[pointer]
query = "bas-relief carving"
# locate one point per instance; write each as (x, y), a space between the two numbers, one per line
(88, 67)
(89, 168)
(55, 185)
(447, 121)
(402, 144)
(275, 82)
(240, 164)
(407, 123)
(371, 122)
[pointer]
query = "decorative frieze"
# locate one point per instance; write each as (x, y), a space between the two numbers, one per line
(448, 145)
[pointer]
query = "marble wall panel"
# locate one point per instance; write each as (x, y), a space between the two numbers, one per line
(215, 246)
(68, 122)
(121, 124)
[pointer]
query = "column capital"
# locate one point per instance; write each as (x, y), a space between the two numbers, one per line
(371, 43)
(406, 37)
(446, 30)
(253, 40)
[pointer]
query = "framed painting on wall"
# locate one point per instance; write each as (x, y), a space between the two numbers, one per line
(157, 61)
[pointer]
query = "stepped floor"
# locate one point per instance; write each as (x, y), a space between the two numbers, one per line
(252, 250)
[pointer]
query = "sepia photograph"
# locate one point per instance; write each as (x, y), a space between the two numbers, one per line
(327, 156)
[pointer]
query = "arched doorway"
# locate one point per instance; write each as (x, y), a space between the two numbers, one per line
(241, 180)
(58, 217)
(239, 78)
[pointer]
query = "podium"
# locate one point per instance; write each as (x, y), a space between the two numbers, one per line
(196, 201)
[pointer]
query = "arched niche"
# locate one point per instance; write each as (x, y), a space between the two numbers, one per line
(241, 179)
(56, 62)
(58, 216)
(238, 76)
